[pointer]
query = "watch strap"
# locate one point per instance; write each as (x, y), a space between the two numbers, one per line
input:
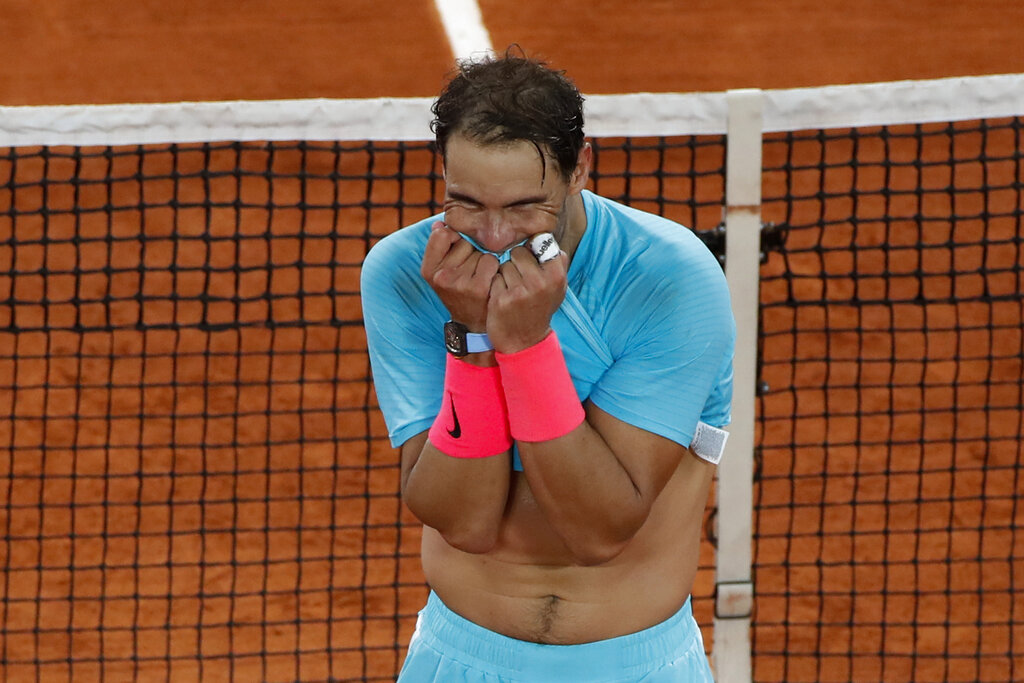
(477, 342)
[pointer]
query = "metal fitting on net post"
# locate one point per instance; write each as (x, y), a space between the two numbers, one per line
(734, 599)
(773, 238)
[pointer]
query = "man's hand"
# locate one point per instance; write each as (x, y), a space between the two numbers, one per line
(524, 296)
(460, 275)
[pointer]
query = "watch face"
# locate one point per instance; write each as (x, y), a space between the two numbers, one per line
(455, 338)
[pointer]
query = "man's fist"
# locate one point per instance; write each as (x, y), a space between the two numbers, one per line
(460, 275)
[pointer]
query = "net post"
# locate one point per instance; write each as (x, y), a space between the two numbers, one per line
(731, 651)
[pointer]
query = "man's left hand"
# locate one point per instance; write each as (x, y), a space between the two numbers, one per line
(524, 296)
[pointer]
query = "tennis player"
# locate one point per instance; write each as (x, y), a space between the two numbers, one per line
(545, 359)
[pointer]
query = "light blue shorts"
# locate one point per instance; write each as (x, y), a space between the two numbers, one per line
(448, 648)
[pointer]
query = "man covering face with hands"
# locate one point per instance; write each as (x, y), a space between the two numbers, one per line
(543, 357)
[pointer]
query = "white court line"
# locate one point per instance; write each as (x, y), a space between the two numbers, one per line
(464, 25)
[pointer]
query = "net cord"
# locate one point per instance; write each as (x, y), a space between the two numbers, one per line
(405, 119)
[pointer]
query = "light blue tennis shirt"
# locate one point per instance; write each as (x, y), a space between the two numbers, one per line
(646, 325)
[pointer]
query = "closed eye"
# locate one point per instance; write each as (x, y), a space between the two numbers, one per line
(463, 202)
(525, 202)
(455, 196)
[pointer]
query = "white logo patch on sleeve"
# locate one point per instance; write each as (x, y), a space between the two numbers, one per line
(709, 443)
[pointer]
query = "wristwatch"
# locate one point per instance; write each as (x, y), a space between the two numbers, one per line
(459, 340)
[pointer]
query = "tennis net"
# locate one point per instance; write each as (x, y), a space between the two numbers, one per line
(888, 530)
(195, 481)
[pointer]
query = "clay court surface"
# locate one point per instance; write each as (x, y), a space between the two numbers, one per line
(121, 444)
(63, 52)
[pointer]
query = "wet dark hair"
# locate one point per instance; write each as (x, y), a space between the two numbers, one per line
(508, 98)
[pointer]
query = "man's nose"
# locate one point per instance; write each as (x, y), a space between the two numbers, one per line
(497, 233)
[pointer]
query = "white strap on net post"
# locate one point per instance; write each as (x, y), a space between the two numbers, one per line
(734, 593)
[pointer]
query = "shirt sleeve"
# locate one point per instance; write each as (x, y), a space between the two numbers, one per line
(674, 350)
(404, 334)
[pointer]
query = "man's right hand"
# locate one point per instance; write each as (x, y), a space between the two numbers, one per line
(460, 275)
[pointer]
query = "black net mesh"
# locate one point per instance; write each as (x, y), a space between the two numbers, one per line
(888, 528)
(195, 483)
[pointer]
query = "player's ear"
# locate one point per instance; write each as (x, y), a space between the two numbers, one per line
(581, 174)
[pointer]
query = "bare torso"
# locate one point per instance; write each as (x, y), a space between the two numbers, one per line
(529, 587)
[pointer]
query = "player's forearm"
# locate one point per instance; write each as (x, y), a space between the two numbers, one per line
(586, 494)
(463, 499)
(456, 475)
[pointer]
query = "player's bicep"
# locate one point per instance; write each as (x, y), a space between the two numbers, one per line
(649, 459)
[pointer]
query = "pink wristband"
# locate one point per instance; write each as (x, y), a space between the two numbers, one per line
(542, 401)
(473, 421)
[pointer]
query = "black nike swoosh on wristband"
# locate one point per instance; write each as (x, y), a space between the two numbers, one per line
(456, 431)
